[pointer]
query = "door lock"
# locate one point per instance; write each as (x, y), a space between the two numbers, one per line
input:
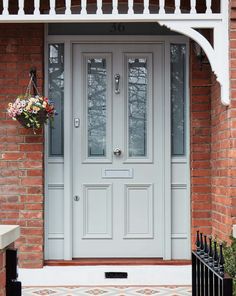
(76, 122)
(76, 198)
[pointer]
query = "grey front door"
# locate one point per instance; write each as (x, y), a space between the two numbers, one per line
(118, 150)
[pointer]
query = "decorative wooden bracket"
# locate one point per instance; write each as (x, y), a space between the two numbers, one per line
(218, 54)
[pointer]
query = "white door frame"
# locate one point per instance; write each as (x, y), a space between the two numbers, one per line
(68, 126)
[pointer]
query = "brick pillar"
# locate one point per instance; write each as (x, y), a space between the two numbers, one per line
(21, 152)
(220, 162)
(200, 144)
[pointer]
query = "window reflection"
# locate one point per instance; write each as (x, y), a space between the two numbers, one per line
(96, 92)
(56, 94)
(137, 106)
(178, 72)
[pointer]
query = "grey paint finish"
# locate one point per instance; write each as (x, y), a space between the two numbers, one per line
(180, 238)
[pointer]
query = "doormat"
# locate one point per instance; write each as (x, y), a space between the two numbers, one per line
(107, 291)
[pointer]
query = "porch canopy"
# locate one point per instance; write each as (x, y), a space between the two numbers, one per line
(182, 16)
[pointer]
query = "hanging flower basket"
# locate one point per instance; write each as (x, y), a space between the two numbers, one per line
(32, 111)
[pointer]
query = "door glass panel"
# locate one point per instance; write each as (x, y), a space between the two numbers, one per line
(56, 94)
(137, 106)
(96, 106)
(178, 86)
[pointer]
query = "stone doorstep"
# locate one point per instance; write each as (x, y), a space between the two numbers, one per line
(8, 234)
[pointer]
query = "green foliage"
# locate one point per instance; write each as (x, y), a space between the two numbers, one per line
(230, 261)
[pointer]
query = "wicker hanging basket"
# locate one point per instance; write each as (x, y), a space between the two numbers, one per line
(33, 121)
(31, 111)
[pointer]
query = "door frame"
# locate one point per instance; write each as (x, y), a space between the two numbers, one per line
(67, 161)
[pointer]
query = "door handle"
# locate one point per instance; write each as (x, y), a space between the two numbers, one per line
(117, 151)
(117, 84)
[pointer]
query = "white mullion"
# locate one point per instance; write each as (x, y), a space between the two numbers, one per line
(193, 7)
(68, 7)
(99, 7)
(36, 7)
(52, 10)
(162, 7)
(208, 7)
(5, 7)
(130, 6)
(68, 173)
(21, 7)
(177, 7)
(83, 6)
(114, 6)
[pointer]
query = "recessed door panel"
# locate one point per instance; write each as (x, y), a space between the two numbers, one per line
(138, 203)
(97, 211)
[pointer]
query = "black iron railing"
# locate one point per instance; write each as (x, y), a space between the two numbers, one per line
(208, 275)
(13, 287)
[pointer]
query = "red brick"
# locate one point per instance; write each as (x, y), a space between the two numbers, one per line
(21, 157)
(13, 156)
(31, 147)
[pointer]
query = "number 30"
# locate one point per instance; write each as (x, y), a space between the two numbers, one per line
(117, 28)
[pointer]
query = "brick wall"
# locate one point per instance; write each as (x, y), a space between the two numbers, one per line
(221, 168)
(223, 149)
(2, 273)
(21, 152)
(200, 141)
(233, 111)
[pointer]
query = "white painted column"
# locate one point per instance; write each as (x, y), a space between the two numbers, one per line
(114, 6)
(36, 7)
(5, 7)
(52, 4)
(208, 7)
(99, 7)
(130, 7)
(193, 7)
(68, 7)
(83, 6)
(162, 7)
(177, 7)
(21, 7)
(146, 7)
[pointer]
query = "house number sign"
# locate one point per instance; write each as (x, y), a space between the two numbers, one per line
(117, 28)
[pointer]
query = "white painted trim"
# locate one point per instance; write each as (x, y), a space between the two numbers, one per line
(46, 193)
(188, 147)
(166, 104)
(93, 18)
